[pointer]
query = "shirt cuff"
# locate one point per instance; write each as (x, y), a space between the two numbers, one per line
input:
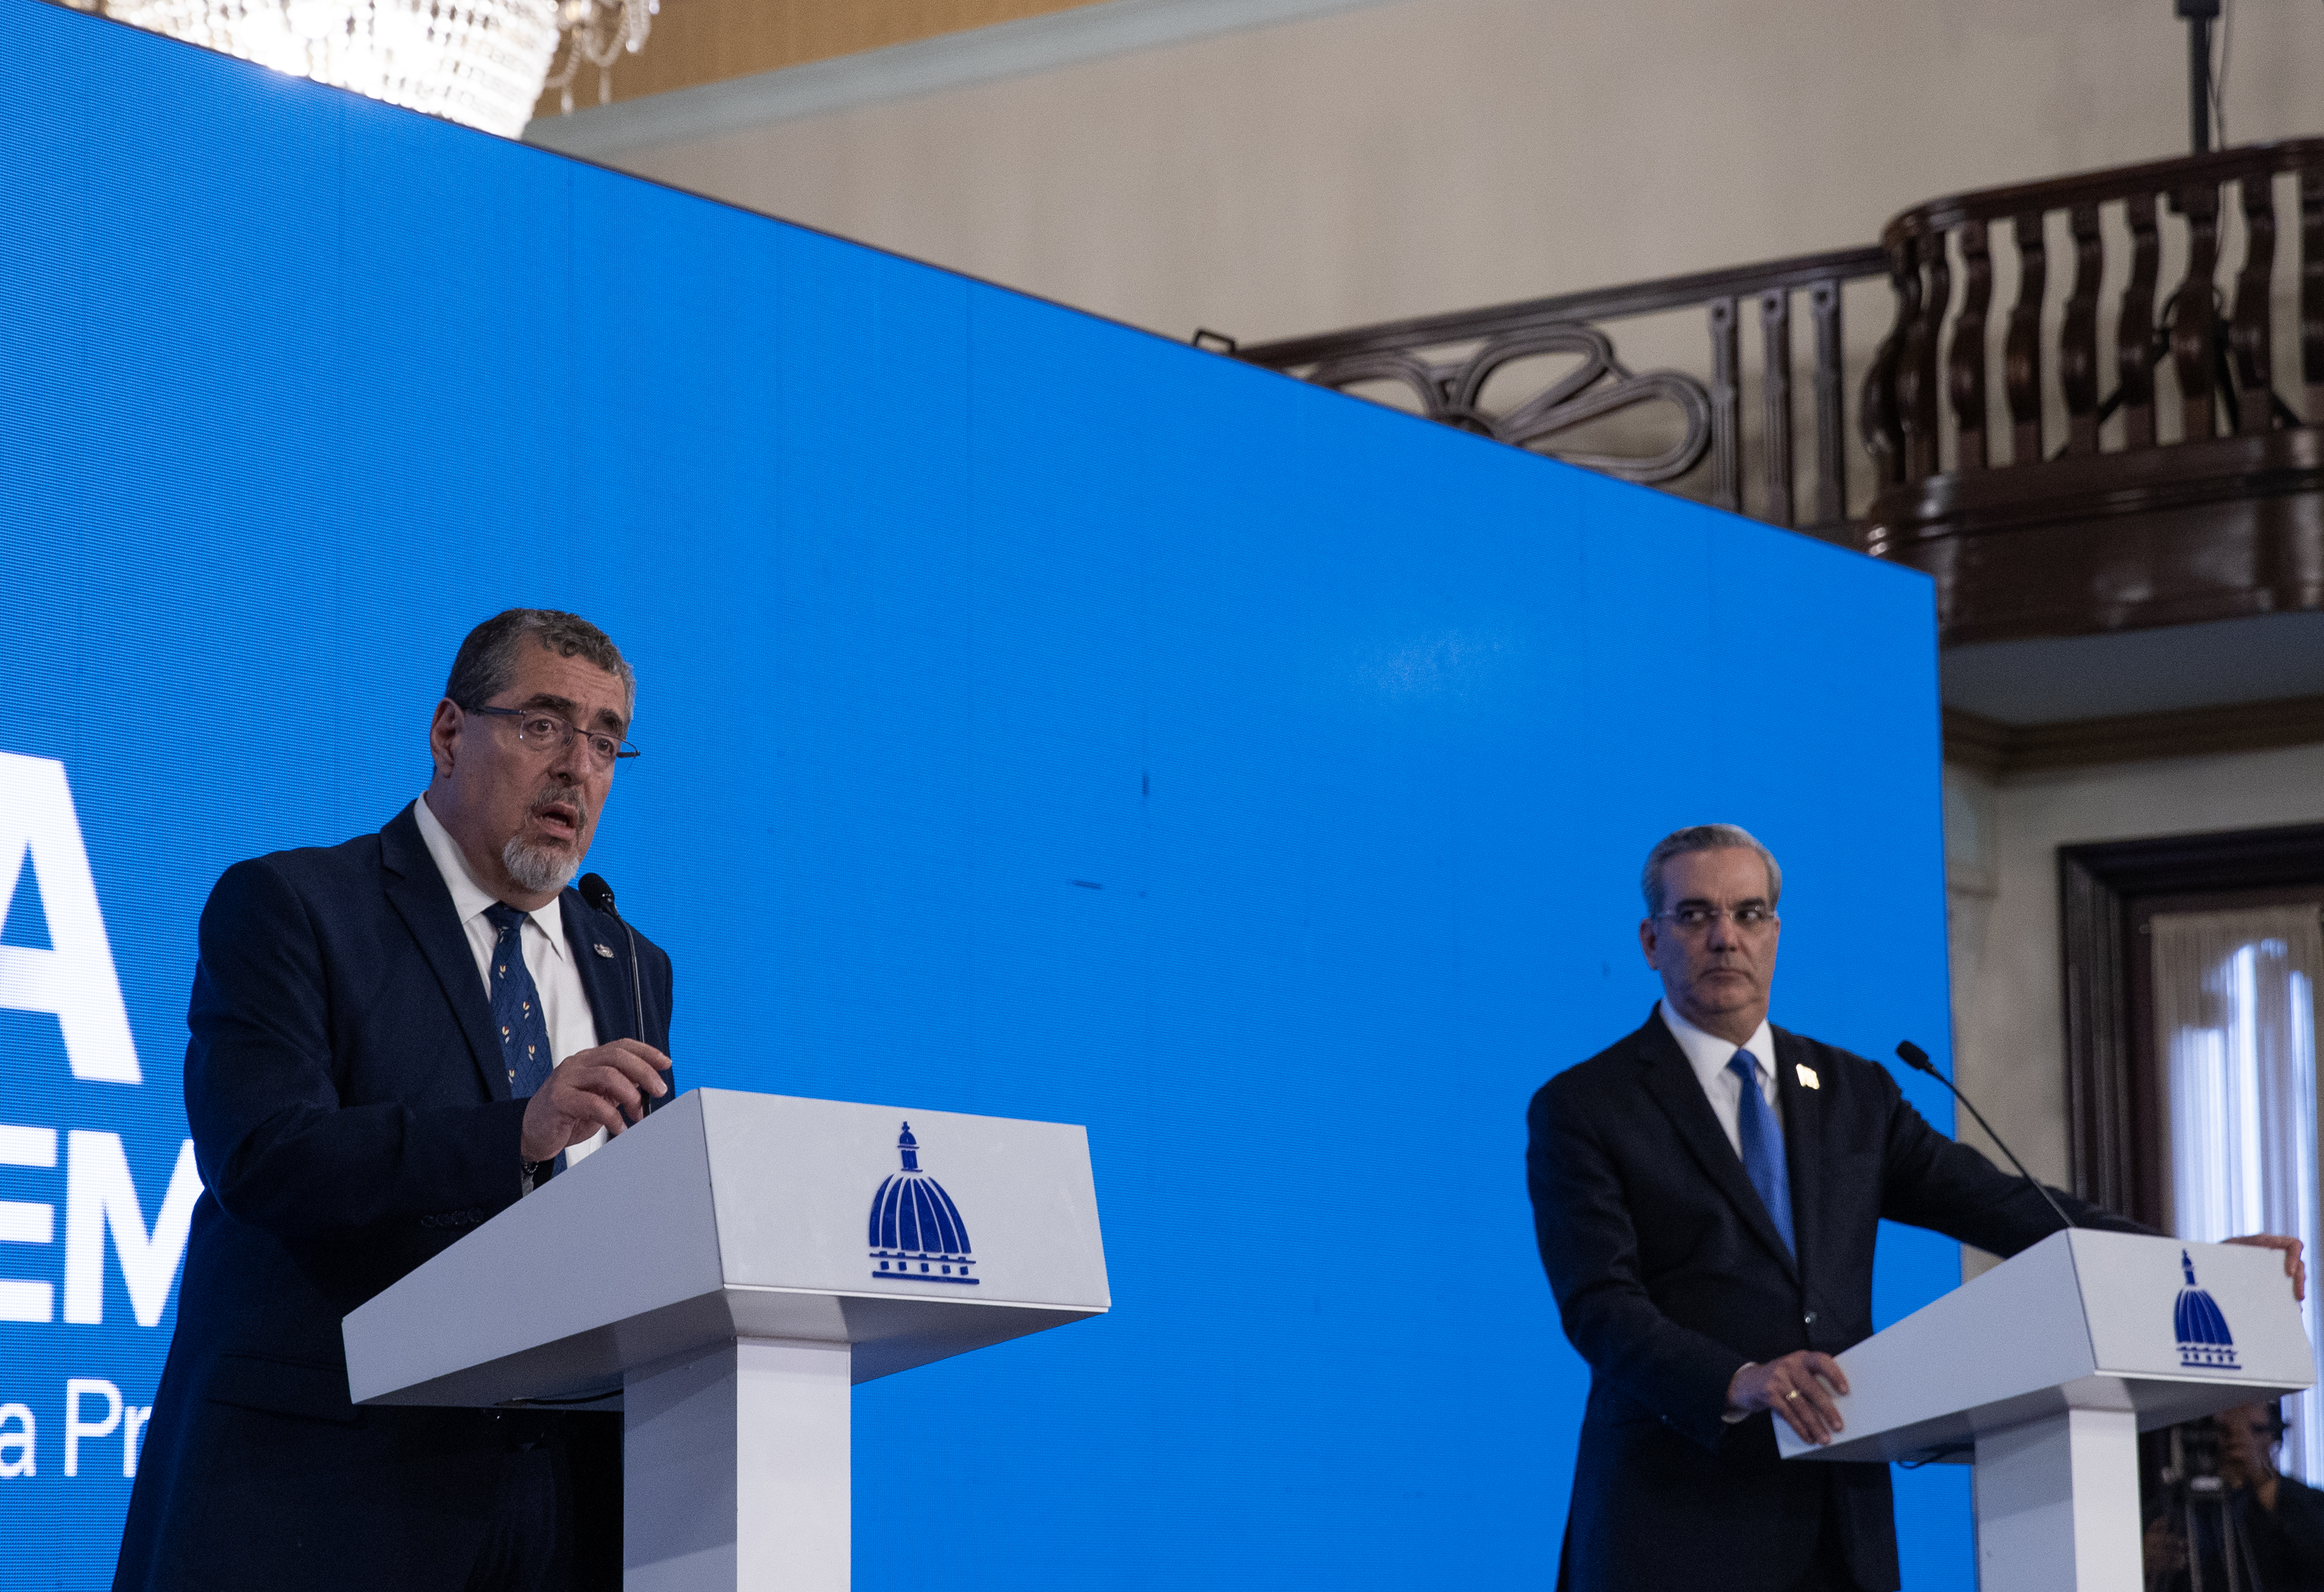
(1733, 1415)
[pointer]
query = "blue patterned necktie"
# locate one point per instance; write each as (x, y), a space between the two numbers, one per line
(516, 1006)
(1763, 1147)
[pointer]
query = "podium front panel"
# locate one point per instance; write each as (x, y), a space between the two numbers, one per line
(2200, 1312)
(972, 1209)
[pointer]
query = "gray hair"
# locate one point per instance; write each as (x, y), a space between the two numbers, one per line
(1704, 837)
(486, 661)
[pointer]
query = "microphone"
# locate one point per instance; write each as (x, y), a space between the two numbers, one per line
(600, 895)
(1917, 1059)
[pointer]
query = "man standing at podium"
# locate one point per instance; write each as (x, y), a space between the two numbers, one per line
(1706, 1195)
(392, 1040)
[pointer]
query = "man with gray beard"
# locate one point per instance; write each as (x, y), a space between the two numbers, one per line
(392, 1040)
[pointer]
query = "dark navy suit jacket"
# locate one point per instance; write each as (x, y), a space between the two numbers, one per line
(351, 1119)
(1670, 1277)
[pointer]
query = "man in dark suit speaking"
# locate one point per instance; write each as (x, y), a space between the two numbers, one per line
(392, 1040)
(1706, 1194)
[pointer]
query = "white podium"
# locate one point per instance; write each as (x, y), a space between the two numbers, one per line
(2048, 1367)
(721, 1274)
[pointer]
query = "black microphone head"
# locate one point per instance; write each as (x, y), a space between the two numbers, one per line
(1911, 1054)
(596, 892)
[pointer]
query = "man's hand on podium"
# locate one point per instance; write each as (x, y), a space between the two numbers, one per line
(1799, 1387)
(2294, 1267)
(605, 1088)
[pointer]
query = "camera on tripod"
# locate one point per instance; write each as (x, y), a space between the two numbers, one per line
(2198, 1536)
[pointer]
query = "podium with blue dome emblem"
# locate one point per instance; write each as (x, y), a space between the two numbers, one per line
(722, 1275)
(2043, 1371)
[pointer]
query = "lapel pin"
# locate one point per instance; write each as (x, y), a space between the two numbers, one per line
(606, 951)
(1807, 1074)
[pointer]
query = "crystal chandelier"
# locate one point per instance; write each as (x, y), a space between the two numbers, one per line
(481, 62)
(600, 33)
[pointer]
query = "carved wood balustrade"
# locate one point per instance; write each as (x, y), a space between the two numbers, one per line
(2058, 482)
(1445, 363)
(2135, 437)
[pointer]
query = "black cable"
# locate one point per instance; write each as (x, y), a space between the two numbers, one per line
(2219, 69)
(598, 1398)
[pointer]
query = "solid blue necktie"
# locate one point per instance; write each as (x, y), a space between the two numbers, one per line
(516, 1006)
(1763, 1147)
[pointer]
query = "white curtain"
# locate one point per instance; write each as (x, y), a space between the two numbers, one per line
(2235, 1012)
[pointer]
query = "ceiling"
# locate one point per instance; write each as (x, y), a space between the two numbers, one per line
(697, 41)
(2052, 682)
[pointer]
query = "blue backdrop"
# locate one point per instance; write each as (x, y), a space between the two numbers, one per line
(1040, 719)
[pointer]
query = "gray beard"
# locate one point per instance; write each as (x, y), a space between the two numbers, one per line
(540, 869)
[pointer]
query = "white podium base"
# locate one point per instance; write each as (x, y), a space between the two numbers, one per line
(734, 1467)
(2057, 1505)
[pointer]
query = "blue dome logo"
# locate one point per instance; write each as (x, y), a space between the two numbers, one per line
(2205, 1344)
(916, 1232)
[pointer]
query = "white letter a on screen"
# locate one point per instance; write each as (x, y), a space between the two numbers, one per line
(74, 979)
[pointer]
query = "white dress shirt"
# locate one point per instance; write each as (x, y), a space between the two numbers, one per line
(1709, 1055)
(563, 1004)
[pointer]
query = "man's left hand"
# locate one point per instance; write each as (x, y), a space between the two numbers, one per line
(2294, 1267)
(1799, 1388)
(605, 1088)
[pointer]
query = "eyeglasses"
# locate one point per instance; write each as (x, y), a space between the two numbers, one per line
(1750, 917)
(548, 734)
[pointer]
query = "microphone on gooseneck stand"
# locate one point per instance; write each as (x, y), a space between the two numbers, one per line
(1917, 1059)
(600, 895)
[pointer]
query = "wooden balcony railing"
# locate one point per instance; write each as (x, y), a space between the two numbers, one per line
(2123, 453)
(1445, 367)
(2100, 405)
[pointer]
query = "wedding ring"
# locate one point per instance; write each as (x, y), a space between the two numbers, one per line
(1793, 1394)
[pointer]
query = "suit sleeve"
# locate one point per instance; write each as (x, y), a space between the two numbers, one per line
(666, 1010)
(1589, 1248)
(275, 1147)
(1933, 1181)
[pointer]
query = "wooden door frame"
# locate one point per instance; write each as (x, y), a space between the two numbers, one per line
(2113, 1125)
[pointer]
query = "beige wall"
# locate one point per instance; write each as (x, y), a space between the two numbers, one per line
(2001, 843)
(1431, 154)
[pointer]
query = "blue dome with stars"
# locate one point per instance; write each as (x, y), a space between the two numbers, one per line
(916, 1230)
(2204, 1340)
